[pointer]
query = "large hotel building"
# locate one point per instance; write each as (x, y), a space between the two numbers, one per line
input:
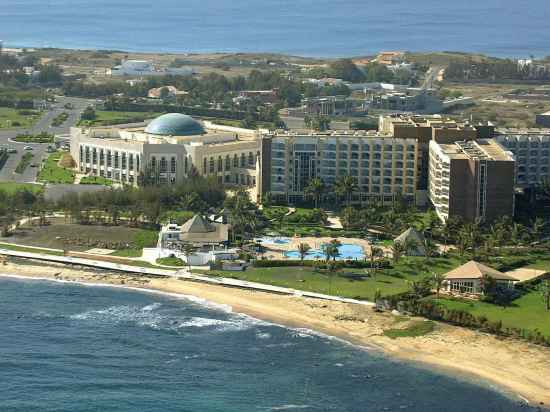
(463, 169)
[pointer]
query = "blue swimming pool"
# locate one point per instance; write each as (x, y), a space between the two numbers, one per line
(347, 252)
(274, 240)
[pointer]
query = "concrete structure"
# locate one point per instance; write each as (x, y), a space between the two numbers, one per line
(330, 106)
(531, 149)
(543, 119)
(170, 92)
(473, 180)
(468, 279)
(146, 68)
(166, 151)
(424, 101)
(264, 96)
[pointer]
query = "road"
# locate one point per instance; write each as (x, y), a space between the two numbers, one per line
(431, 77)
(44, 124)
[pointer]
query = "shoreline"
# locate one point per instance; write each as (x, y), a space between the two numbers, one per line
(518, 369)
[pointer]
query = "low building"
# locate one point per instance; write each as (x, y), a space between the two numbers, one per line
(263, 96)
(166, 151)
(531, 150)
(468, 279)
(472, 180)
(543, 119)
(388, 58)
(168, 91)
(197, 231)
(146, 68)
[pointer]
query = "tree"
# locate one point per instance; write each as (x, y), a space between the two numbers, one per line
(315, 189)
(430, 248)
(188, 250)
(347, 70)
(544, 290)
(410, 246)
(303, 248)
(375, 252)
(320, 123)
(397, 251)
(438, 280)
(346, 186)
(331, 250)
(88, 114)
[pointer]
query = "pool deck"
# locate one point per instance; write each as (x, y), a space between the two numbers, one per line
(276, 250)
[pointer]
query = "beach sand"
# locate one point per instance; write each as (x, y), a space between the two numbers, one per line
(519, 368)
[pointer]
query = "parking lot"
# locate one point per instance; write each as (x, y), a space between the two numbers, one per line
(39, 151)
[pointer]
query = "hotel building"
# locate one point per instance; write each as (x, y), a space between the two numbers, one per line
(531, 149)
(166, 151)
(473, 180)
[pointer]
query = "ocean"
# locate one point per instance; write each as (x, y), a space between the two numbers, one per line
(325, 28)
(77, 348)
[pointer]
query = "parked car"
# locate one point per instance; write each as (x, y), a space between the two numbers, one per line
(12, 150)
(34, 165)
(28, 148)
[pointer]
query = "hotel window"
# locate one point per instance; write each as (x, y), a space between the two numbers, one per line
(87, 151)
(185, 164)
(243, 160)
(131, 161)
(116, 159)
(388, 147)
(137, 162)
(354, 147)
(173, 165)
(343, 155)
(123, 160)
(343, 147)
(220, 164)
(153, 162)
(250, 159)
(94, 155)
(236, 161)
(81, 153)
(109, 159)
(204, 166)
(462, 286)
(212, 165)
(101, 157)
(227, 163)
(355, 155)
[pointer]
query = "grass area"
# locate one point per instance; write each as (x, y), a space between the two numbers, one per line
(350, 282)
(29, 249)
(106, 118)
(170, 261)
(11, 188)
(526, 312)
(10, 117)
(412, 330)
(24, 163)
(96, 180)
(128, 253)
(274, 212)
(60, 119)
(177, 216)
(53, 173)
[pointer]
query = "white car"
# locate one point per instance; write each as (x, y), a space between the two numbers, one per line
(28, 148)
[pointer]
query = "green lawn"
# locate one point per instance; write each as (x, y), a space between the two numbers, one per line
(24, 163)
(143, 238)
(170, 261)
(29, 249)
(96, 180)
(412, 330)
(10, 117)
(128, 253)
(11, 188)
(527, 312)
(53, 173)
(106, 118)
(350, 282)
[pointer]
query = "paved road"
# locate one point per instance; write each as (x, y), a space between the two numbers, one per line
(431, 77)
(7, 173)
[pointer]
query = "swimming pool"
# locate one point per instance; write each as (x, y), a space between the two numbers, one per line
(273, 240)
(347, 252)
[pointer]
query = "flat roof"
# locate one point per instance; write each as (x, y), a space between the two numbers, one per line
(481, 149)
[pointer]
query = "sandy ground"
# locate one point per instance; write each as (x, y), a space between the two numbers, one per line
(519, 368)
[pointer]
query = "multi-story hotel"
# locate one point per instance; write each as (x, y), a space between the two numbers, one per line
(382, 165)
(168, 149)
(531, 149)
(471, 179)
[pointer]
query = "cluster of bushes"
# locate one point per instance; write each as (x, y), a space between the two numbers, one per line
(406, 302)
(24, 162)
(42, 137)
(308, 216)
(60, 119)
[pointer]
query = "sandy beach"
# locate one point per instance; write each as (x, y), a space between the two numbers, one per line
(519, 368)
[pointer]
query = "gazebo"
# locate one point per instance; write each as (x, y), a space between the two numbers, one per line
(467, 279)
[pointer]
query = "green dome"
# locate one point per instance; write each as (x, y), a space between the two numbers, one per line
(174, 124)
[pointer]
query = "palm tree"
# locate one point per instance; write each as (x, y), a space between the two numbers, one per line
(410, 246)
(537, 228)
(303, 248)
(397, 251)
(438, 279)
(430, 248)
(375, 252)
(331, 250)
(346, 185)
(316, 188)
(516, 235)
(188, 250)
(544, 290)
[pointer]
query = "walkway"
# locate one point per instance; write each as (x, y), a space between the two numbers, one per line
(180, 274)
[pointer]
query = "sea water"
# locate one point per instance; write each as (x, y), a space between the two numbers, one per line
(69, 347)
(303, 27)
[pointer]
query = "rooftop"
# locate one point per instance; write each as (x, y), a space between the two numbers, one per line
(476, 270)
(481, 149)
(175, 124)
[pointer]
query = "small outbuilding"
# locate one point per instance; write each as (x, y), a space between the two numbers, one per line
(467, 279)
(411, 235)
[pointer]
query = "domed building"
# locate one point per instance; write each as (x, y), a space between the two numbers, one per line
(166, 150)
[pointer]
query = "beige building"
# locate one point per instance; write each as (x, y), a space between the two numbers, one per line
(166, 151)
(468, 279)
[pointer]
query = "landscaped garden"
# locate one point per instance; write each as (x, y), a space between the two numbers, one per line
(96, 180)
(107, 118)
(24, 163)
(52, 172)
(35, 138)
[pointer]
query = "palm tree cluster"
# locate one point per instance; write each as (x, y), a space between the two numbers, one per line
(244, 216)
